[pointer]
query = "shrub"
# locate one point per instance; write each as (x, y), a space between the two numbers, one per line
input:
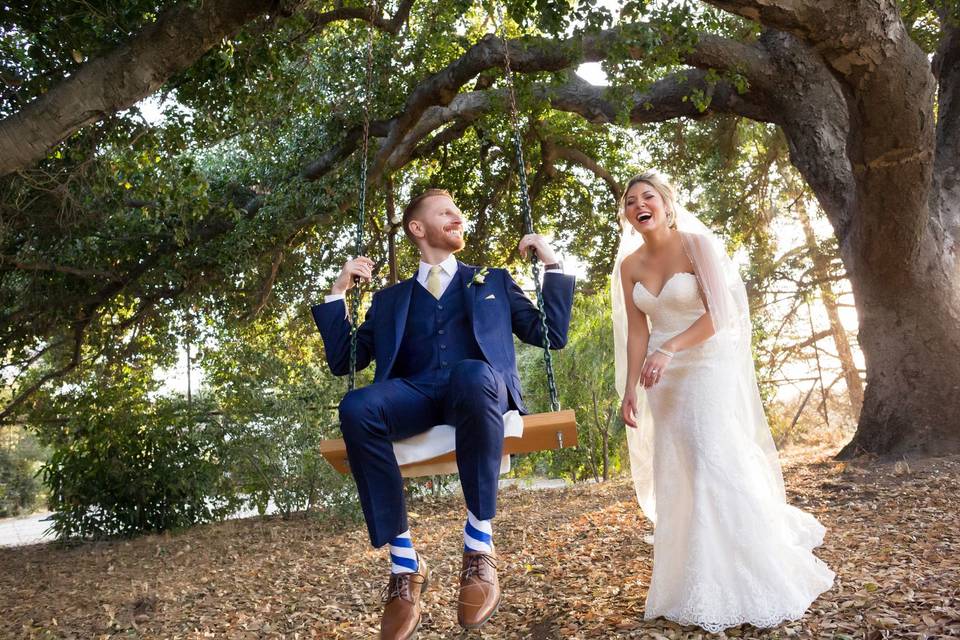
(125, 472)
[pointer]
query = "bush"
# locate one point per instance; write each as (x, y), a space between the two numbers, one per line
(278, 400)
(19, 487)
(277, 459)
(127, 472)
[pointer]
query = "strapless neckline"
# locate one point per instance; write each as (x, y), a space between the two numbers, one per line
(664, 287)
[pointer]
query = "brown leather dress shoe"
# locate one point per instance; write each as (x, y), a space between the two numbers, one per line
(479, 589)
(401, 600)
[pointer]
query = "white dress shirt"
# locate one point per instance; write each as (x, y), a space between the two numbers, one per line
(448, 269)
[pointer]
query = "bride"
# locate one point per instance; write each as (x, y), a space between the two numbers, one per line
(728, 549)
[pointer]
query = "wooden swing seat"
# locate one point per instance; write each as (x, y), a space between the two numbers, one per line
(541, 432)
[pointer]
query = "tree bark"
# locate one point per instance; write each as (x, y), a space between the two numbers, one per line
(855, 98)
(946, 187)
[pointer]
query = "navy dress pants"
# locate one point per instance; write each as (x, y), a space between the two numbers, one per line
(472, 398)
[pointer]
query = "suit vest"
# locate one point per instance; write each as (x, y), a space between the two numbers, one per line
(438, 334)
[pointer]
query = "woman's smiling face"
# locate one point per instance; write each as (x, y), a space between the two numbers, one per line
(643, 207)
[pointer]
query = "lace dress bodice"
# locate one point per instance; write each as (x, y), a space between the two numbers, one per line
(673, 311)
(676, 308)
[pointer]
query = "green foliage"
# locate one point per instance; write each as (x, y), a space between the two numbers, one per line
(137, 234)
(277, 401)
(129, 460)
(135, 470)
(277, 461)
(923, 23)
(584, 371)
(20, 489)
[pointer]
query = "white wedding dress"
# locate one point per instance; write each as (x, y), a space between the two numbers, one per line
(728, 549)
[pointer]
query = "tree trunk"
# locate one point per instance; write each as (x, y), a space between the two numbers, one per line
(603, 440)
(904, 276)
(606, 446)
(909, 337)
(860, 126)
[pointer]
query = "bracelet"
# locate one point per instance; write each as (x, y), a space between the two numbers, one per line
(669, 354)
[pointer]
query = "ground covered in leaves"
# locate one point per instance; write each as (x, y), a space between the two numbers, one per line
(574, 565)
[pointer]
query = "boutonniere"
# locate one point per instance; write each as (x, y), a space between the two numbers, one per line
(479, 277)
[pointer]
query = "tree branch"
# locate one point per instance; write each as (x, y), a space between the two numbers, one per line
(855, 37)
(666, 99)
(78, 332)
(267, 286)
(445, 137)
(136, 69)
(120, 78)
(436, 101)
(392, 25)
(794, 16)
(58, 268)
(351, 141)
(528, 55)
(576, 156)
(551, 151)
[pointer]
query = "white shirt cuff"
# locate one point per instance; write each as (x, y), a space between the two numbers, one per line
(333, 297)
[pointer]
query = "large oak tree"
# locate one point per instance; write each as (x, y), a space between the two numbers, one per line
(865, 92)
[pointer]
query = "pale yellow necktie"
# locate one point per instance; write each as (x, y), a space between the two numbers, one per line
(433, 281)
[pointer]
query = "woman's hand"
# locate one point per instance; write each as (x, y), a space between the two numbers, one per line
(628, 408)
(653, 368)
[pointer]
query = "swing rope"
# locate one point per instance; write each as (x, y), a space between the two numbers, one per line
(527, 209)
(361, 217)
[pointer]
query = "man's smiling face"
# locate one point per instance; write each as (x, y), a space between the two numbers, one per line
(439, 224)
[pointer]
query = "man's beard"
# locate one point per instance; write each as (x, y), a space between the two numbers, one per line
(439, 239)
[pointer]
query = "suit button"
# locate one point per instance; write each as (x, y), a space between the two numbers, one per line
(443, 347)
(443, 363)
(440, 307)
(442, 331)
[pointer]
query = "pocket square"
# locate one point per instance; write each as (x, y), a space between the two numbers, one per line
(490, 297)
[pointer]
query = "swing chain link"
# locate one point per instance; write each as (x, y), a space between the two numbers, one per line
(361, 218)
(527, 210)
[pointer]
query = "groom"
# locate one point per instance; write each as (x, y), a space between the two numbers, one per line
(443, 345)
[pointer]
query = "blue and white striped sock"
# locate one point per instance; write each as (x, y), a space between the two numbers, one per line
(477, 534)
(403, 559)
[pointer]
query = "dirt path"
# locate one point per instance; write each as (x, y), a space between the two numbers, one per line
(32, 529)
(574, 565)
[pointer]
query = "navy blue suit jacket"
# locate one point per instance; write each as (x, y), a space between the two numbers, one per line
(498, 309)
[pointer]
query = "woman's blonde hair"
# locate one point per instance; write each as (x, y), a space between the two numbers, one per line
(662, 186)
